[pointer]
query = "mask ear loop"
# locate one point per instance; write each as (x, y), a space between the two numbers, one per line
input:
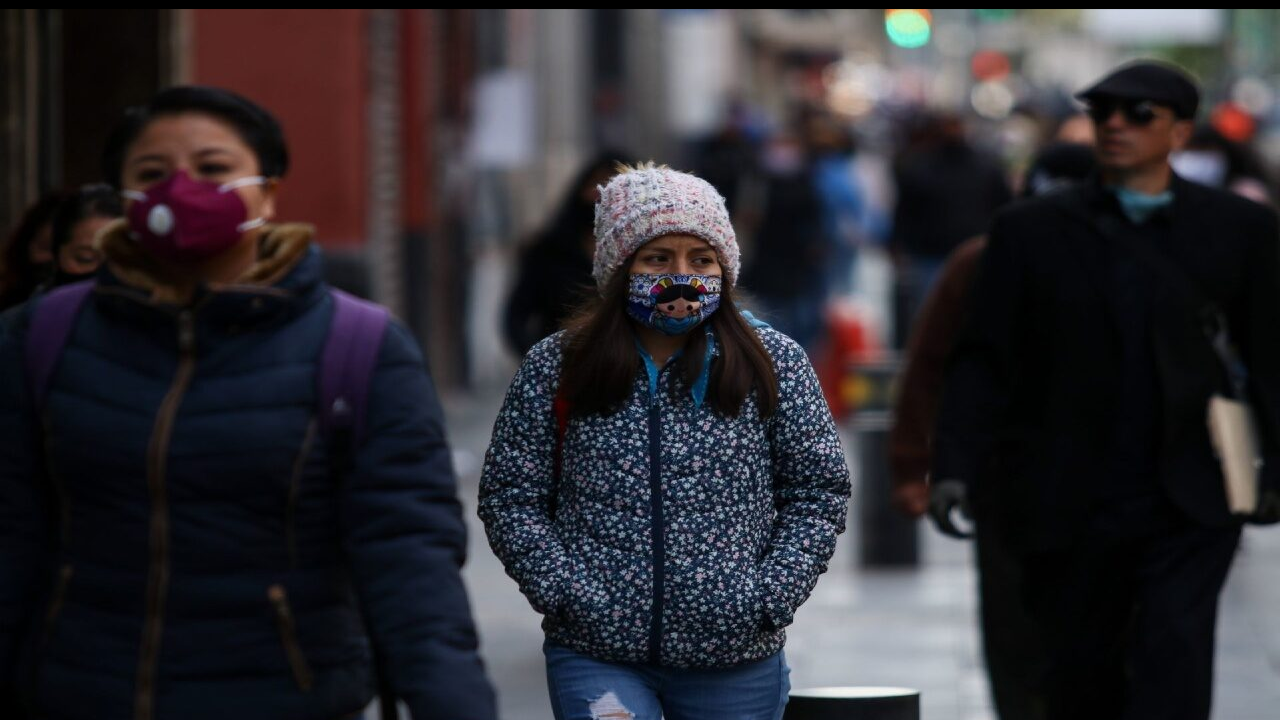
(242, 182)
(245, 182)
(251, 224)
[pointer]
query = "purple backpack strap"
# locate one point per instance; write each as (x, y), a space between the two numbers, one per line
(51, 324)
(347, 362)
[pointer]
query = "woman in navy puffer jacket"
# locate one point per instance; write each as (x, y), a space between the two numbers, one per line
(665, 482)
(178, 538)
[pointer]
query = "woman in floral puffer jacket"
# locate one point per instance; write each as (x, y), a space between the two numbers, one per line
(666, 491)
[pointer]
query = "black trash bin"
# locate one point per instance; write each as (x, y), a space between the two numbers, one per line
(886, 537)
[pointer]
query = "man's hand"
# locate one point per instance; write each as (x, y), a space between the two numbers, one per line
(911, 498)
(944, 498)
(1268, 512)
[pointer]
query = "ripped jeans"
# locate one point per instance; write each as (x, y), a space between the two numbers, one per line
(583, 688)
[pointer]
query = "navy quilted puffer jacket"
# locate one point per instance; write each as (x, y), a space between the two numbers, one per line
(184, 553)
(681, 537)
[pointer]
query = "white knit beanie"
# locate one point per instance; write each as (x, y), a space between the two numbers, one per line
(648, 202)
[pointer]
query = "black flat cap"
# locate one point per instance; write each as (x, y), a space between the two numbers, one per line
(1148, 80)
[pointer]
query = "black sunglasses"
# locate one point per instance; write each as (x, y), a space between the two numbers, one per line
(1136, 112)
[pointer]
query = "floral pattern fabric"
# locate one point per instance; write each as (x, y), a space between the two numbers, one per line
(713, 567)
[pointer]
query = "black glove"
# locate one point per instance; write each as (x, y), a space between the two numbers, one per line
(1268, 512)
(945, 497)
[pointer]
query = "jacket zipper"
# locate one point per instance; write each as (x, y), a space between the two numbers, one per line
(659, 538)
(57, 600)
(289, 637)
(55, 479)
(158, 572)
(295, 486)
(51, 616)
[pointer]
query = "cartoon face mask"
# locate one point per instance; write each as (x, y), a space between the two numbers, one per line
(673, 304)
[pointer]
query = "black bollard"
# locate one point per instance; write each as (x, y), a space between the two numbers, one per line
(853, 703)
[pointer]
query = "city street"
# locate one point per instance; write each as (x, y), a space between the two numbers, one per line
(235, 283)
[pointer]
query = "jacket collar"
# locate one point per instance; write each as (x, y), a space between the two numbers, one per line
(1092, 198)
(699, 390)
(1186, 194)
(284, 279)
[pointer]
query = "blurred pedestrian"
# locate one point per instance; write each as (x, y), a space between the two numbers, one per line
(76, 225)
(846, 215)
(1011, 645)
(28, 254)
(1211, 159)
(729, 159)
(203, 513)
(1086, 370)
(665, 482)
(788, 271)
(948, 190)
(554, 271)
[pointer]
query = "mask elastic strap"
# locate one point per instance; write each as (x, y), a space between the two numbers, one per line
(242, 182)
(251, 224)
(133, 195)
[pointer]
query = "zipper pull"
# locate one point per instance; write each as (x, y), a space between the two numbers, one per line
(280, 601)
(59, 594)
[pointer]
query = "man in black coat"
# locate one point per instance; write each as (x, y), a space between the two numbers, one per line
(1084, 376)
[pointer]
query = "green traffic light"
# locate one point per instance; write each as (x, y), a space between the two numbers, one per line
(908, 28)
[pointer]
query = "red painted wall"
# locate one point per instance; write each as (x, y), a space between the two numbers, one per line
(309, 68)
(415, 104)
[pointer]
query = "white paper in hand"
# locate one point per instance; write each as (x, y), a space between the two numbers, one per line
(1236, 442)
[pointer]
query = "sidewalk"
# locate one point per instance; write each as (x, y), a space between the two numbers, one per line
(915, 628)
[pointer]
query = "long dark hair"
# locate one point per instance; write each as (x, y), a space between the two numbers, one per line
(601, 361)
(555, 266)
(574, 216)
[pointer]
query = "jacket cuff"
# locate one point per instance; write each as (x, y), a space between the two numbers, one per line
(547, 598)
(777, 612)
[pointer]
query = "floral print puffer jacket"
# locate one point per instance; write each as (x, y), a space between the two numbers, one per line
(681, 537)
